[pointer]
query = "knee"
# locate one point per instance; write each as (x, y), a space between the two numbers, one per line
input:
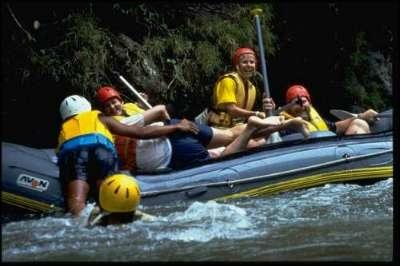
(161, 111)
(164, 112)
(358, 126)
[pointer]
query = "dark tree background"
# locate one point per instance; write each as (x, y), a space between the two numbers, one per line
(174, 51)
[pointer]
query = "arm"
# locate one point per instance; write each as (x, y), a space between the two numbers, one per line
(225, 99)
(236, 111)
(268, 104)
(157, 113)
(147, 132)
(342, 126)
(361, 125)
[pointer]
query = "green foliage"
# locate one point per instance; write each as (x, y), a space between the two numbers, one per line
(175, 54)
(363, 85)
(80, 59)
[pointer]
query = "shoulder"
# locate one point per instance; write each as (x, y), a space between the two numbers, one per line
(104, 118)
(228, 79)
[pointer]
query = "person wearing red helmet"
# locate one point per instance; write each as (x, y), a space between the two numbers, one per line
(180, 150)
(119, 107)
(234, 94)
(302, 107)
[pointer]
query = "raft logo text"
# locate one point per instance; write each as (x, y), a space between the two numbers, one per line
(32, 182)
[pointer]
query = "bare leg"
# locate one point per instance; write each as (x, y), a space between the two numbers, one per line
(357, 126)
(77, 191)
(241, 142)
(221, 137)
(262, 129)
(297, 124)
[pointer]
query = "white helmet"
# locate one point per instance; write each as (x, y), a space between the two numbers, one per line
(73, 105)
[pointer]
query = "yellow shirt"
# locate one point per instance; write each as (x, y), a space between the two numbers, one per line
(230, 88)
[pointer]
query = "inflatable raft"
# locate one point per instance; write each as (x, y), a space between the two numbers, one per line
(30, 179)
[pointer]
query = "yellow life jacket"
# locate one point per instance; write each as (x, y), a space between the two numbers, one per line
(316, 123)
(245, 100)
(125, 146)
(84, 130)
(129, 109)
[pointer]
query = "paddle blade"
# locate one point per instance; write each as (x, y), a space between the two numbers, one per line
(342, 114)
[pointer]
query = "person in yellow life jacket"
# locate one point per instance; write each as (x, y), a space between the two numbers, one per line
(127, 112)
(234, 94)
(86, 152)
(181, 149)
(301, 106)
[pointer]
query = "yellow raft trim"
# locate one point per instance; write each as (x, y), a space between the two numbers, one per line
(27, 203)
(316, 180)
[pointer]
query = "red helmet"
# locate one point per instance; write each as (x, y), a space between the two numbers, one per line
(241, 51)
(106, 93)
(297, 91)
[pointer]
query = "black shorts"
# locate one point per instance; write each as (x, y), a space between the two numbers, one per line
(188, 148)
(88, 164)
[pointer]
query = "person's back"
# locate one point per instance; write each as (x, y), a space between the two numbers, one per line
(84, 130)
(85, 151)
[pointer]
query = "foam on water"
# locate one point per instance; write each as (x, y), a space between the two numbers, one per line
(334, 214)
(206, 221)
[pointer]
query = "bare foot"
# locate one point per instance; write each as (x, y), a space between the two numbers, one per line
(257, 122)
(264, 127)
(297, 124)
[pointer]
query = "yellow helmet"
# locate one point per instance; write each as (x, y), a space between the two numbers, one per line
(119, 193)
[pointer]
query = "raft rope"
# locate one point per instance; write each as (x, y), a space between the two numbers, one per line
(27, 203)
(316, 180)
(297, 183)
(272, 175)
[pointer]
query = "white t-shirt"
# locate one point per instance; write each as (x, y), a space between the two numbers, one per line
(151, 154)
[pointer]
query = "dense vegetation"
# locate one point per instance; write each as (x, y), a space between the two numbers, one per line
(175, 52)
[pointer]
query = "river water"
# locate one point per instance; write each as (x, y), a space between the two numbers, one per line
(336, 222)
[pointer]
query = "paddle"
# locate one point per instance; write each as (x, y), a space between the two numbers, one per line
(137, 94)
(342, 114)
(274, 137)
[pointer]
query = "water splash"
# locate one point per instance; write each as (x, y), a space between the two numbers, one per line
(203, 222)
(289, 226)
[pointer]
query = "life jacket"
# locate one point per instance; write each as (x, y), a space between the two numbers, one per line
(316, 123)
(126, 146)
(245, 100)
(129, 109)
(126, 149)
(84, 130)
